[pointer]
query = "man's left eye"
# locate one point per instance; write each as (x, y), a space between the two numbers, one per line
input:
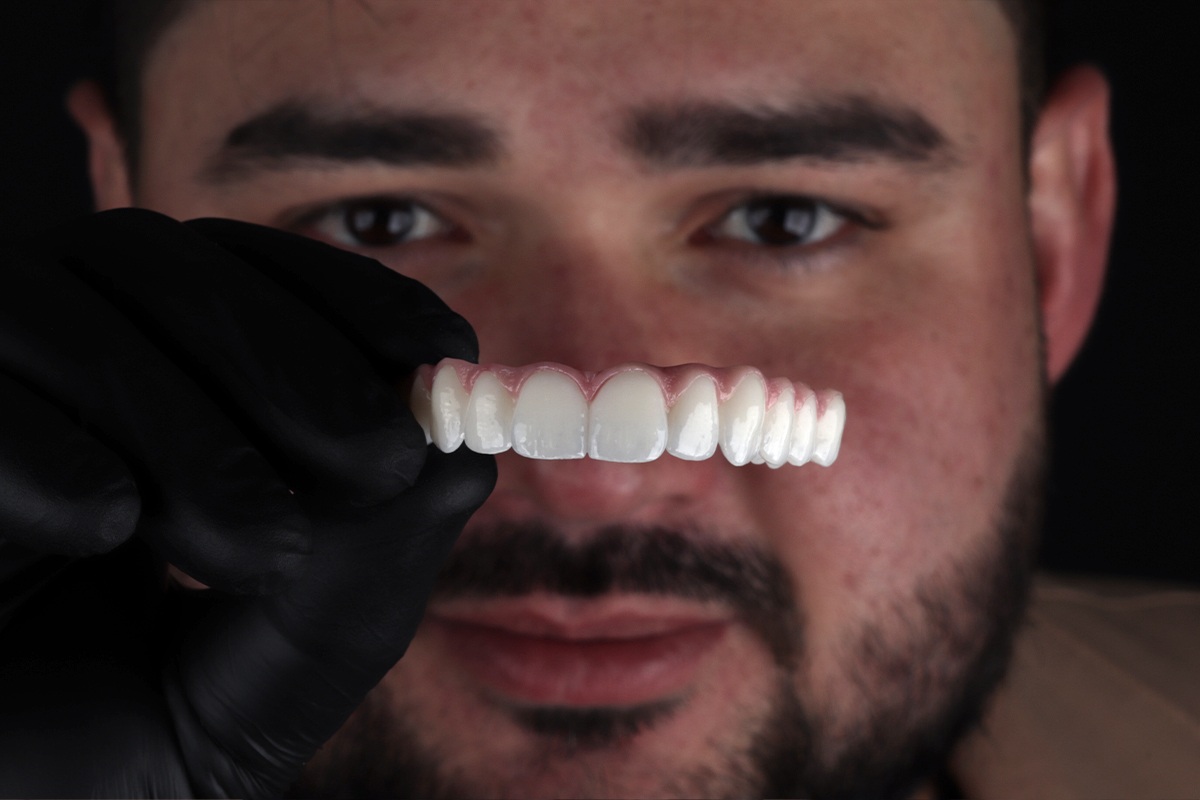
(378, 222)
(779, 221)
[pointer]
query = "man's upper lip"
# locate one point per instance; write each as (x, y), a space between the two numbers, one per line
(573, 618)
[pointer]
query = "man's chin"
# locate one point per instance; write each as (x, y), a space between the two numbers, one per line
(399, 743)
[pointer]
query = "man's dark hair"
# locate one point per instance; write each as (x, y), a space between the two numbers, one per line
(138, 24)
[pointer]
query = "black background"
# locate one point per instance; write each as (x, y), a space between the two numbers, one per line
(1125, 421)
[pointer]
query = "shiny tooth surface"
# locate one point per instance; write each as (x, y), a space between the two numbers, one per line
(487, 425)
(741, 419)
(804, 430)
(692, 423)
(420, 404)
(777, 429)
(449, 402)
(627, 419)
(829, 430)
(550, 417)
(637, 412)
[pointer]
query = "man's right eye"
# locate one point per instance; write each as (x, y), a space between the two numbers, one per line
(376, 222)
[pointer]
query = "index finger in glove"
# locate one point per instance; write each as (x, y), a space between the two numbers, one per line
(307, 397)
(210, 502)
(393, 318)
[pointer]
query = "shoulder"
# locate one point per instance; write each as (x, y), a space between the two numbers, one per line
(1102, 697)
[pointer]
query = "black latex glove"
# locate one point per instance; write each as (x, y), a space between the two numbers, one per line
(222, 397)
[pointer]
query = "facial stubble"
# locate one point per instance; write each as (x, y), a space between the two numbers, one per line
(923, 683)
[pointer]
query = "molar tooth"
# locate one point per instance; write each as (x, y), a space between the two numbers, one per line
(550, 417)
(449, 401)
(627, 419)
(804, 430)
(487, 424)
(777, 429)
(692, 426)
(829, 430)
(741, 417)
(420, 404)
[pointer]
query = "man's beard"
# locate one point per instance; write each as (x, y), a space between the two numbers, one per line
(923, 683)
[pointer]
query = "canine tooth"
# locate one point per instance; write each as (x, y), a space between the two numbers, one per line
(550, 417)
(829, 430)
(804, 430)
(627, 419)
(487, 425)
(420, 404)
(692, 423)
(449, 401)
(741, 418)
(777, 428)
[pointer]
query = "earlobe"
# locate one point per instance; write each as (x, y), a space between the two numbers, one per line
(1071, 203)
(107, 165)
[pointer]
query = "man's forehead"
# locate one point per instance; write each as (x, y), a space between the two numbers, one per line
(524, 66)
(655, 44)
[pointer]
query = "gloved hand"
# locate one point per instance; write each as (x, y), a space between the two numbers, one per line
(224, 398)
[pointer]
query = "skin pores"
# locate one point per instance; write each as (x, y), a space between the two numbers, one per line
(568, 245)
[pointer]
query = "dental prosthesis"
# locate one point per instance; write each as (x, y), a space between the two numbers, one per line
(631, 414)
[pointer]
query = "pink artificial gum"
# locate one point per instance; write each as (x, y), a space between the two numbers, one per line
(673, 380)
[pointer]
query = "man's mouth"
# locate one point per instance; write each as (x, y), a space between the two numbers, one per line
(547, 651)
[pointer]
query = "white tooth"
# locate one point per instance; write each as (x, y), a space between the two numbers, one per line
(777, 429)
(487, 425)
(449, 401)
(804, 430)
(419, 403)
(627, 419)
(829, 430)
(550, 417)
(692, 428)
(741, 418)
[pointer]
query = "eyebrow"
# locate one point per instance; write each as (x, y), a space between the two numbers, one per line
(850, 129)
(297, 132)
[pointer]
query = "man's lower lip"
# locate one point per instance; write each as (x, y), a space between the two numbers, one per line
(550, 670)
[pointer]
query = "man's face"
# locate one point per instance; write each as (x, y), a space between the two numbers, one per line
(828, 191)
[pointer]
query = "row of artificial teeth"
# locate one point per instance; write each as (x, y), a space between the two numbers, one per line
(630, 414)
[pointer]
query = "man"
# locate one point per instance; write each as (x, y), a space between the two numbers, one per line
(845, 194)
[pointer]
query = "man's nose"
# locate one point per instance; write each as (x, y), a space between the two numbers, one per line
(581, 301)
(590, 306)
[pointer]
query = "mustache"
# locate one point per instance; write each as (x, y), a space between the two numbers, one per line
(509, 559)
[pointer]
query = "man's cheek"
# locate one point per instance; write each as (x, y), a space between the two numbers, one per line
(922, 471)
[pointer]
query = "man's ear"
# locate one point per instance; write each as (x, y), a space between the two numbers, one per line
(1071, 204)
(107, 166)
